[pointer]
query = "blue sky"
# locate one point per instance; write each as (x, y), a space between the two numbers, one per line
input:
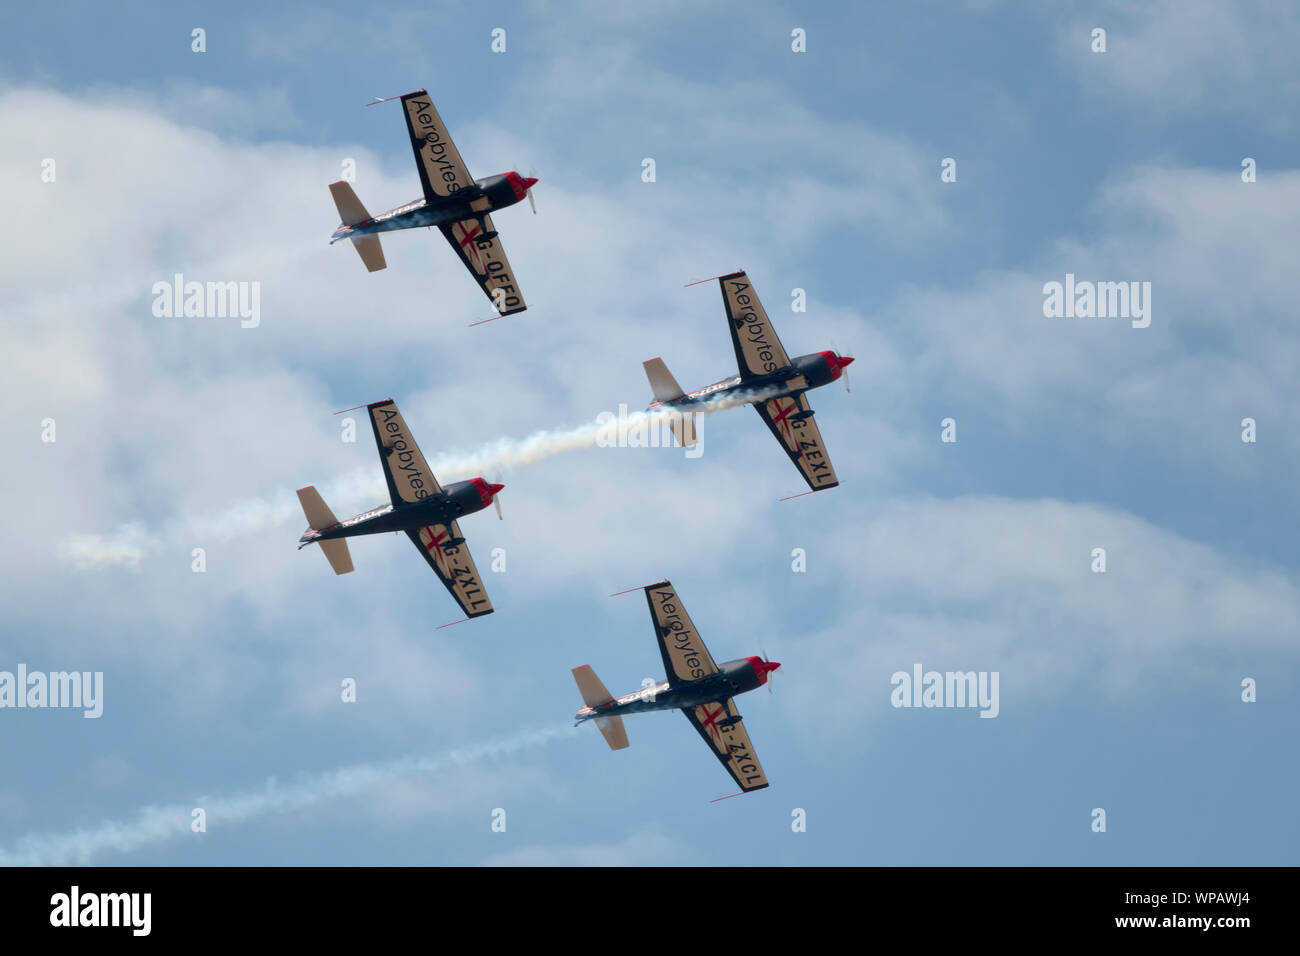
(816, 170)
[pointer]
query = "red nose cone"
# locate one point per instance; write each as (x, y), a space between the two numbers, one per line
(486, 492)
(521, 184)
(836, 363)
(762, 668)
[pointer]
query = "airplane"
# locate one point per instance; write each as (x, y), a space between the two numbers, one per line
(452, 201)
(778, 382)
(420, 507)
(696, 686)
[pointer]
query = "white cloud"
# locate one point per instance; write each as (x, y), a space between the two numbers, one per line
(992, 584)
(1221, 344)
(1184, 55)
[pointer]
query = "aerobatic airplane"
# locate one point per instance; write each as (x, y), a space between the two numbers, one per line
(696, 686)
(420, 507)
(452, 201)
(778, 382)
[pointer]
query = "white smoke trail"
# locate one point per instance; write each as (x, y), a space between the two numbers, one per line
(157, 824)
(129, 545)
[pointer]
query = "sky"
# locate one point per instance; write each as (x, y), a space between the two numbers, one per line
(1146, 711)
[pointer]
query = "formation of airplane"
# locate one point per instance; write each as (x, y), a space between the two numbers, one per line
(452, 200)
(778, 383)
(699, 688)
(775, 384)
(419, 506)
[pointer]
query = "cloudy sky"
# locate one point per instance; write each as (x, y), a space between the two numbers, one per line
(126, 157)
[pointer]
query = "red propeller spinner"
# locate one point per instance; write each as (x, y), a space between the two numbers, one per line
(521, 184)
(762, 667)
(487, 492)
(838, 363)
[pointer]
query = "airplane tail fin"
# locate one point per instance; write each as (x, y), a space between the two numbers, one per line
(666, 389)
(351, 212)
(319, 516)
(593, 695)
(662, 382)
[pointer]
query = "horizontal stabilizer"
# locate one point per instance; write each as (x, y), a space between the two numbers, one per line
(589, 686)
(320, 516)
(612, 729)
(371, 252)
(684, 430)
(314, 507)
(662, 383)
(594, 694)
(337, 554)
(349, 206)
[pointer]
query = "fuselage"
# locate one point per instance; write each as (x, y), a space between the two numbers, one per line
(804, 372)
(485, 196)
(732, 678)
(452, 502)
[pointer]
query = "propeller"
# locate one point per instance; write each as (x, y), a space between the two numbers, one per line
(845, 361)
(772, 669)
(532, 175)
(496, 500)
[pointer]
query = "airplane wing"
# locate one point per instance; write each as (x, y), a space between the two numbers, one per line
(685, 656)
(407, 473)
(442, 171)
(758, 350)
(723, 729)
(445, 550)
(487, 263)
(791, 421)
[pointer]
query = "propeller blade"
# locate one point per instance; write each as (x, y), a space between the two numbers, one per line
(771, 673)
(532, 202)
(844, 369)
